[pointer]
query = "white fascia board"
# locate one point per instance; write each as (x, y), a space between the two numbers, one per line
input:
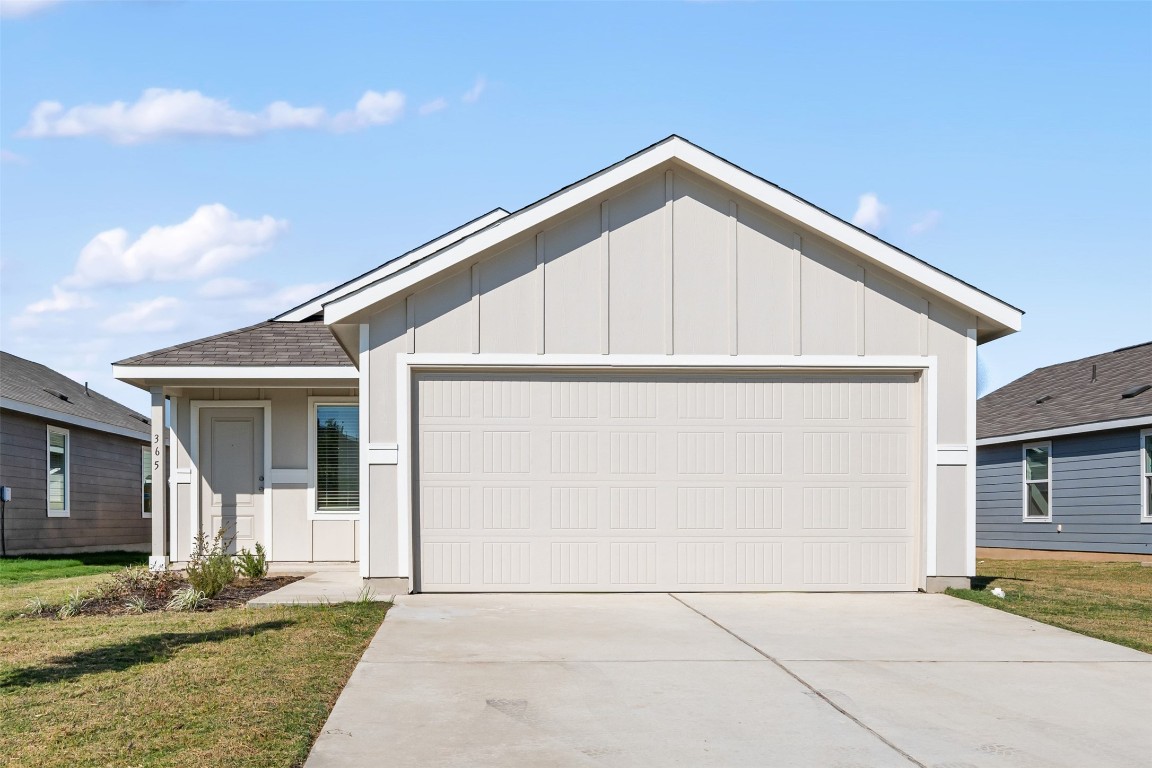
(67, 418)
(317, 304)
(717, 362)
(225, 372)
(784, 203)
(1076, 429)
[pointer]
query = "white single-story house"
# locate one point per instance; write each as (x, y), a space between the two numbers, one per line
(671, 375)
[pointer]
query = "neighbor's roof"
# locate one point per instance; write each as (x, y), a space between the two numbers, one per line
(34, 388)
(1070, 395)
(302, 344)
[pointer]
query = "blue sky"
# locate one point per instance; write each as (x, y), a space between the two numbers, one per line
(264, 151)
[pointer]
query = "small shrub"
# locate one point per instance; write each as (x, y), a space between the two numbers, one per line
(186, 599)
(35, 606)
(252, 565)
(134, 577)
(211, 568)
(72, 605)
(136, 604)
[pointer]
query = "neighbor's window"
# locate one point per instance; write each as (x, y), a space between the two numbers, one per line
(146, 482)
(337, 458)
(57, 472)
(1147, 440)
(1038, 481)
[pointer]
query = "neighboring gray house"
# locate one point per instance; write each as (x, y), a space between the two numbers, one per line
(671, 375)
(1064, 462)
(77, 463)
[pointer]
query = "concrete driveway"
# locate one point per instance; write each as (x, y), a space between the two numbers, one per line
(734, 680)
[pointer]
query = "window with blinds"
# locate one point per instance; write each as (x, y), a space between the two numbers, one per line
(337, 458)
(57, 472)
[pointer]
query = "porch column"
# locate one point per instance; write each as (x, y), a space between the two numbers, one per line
(158, 560)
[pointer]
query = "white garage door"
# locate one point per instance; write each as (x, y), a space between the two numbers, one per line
(666, 482)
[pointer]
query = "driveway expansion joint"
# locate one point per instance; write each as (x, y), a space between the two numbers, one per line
(811, 688)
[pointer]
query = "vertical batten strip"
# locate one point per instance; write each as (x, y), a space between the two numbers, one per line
(475, 309)
(925, 312)
(860, 314)
(540, 294)
(605, 277)
(669, 263)
(364, 400)
(797, 294)
(410, 331)
(733, 277)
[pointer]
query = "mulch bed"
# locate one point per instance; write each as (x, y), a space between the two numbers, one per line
(157, 595)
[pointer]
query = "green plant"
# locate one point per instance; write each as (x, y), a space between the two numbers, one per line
(367, 595)
(252, 565)
(35, 606)
(136, 604)
(72, 605)
(186, 599)
(211, 568)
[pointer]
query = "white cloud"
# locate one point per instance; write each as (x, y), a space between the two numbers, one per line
(61, 301)
(162, 113)
(275, 302)
(7, 156)
(925, 223)
(373, 109)
(150, 316)
(435, 105)
(870, 212)
(476, 91)
(208, 241)
(15, 9)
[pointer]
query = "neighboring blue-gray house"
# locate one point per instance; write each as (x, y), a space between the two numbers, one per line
(1064, 457)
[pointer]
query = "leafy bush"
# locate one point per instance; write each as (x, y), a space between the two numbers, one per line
(210, 568)
(136, 604)
(252, 565)
(186, 599)
(72, 605)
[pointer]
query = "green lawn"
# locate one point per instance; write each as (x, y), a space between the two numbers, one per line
(234, 687)
(20, 570)
(1111, 601)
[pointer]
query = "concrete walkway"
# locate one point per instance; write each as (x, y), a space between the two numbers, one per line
(330, 585)
(734, 680)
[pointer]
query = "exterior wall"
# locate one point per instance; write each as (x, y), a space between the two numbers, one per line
(105, 507)
(295, 537)
(674, 264)
(1095, 495)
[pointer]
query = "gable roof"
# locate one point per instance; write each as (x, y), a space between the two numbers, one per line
(36, 389)
(996, 317)
(1088, 391)
(302, 344)
(316, 305)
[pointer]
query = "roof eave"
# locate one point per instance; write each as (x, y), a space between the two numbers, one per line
(148, 377)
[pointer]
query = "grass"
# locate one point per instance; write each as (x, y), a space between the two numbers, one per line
(233, 687)
(21, 570)
(1109, 601)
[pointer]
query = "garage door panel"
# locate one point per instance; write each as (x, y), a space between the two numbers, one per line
(546, 482)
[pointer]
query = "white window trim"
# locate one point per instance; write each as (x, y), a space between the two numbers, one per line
(67, 511)
(146, 460)
(313, 462)
(1145, 478)
(1025, 482)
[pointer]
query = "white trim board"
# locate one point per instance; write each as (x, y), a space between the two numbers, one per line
(1000, 315)
(76, 421)
(227, 372)
(407, 365)
(1075, 429)
(307, 310)
(194, 457)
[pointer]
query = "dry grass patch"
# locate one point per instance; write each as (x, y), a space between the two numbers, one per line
(1110, 601)
(233, 687)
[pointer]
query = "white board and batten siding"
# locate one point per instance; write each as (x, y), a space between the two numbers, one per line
(670, 264)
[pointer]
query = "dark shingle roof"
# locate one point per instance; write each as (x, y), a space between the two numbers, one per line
(1072, 397)
(34, 384)
(308, 343)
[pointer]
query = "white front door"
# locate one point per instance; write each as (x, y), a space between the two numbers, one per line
(232, 474)
(667, 482)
